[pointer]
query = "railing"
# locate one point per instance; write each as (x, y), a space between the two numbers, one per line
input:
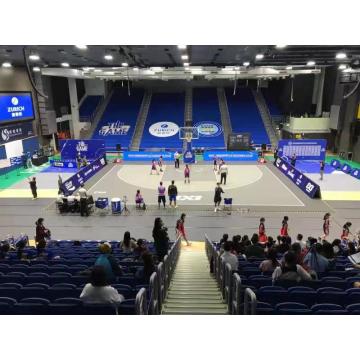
(154, 295)
(236, 300)
(141, 302)
(249, 302)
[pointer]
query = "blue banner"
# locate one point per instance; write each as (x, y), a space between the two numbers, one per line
(335, 164)
(231, 155)
(92, 149)
(147, 155)
(16, 106)
(69, 164)
(189, 154)
(346, 168)
(83, 175)
(310, 188)
(15, 132)
(356, 173)
(314, 149)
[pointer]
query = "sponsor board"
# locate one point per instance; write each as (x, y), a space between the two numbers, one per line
(189, 197)
(314, 149)
(15, 132)
(309, 187)
(16, 106)
(83, 175)
(92, 148)
(163, 129)
(63, 164)
(147, 155)
(231, 155)
(209, 128)
(114, 128)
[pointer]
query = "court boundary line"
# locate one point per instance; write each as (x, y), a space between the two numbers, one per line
(102, 178)
(285, 186)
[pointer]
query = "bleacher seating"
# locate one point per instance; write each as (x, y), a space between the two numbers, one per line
(164, 107)
(206, 109)
(245, 116)
(121, 114)
(88, 107)
(271, 102)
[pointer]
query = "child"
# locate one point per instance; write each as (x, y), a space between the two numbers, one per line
(153, 168)
(262, 235)
(180, 229)
(160, 163)
(187, 174)
(284, 227)
(326, 226)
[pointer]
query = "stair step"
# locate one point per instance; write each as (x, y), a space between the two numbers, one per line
(193, 293)
(180, 301)
(190, 311)
(179, 296)
(193, 287)
(195, 306)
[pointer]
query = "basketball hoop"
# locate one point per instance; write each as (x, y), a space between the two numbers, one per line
(188, 137)
(188, 133)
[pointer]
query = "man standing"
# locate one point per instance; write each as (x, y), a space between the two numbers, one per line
(33, 187)
(293, 160)
(161, 194)
(217, 196)
(177, 160)
(78, 160)
(172, 193)
(83, 201)
(223, 173)
(60, 182)
(275, 154)
(322, 167)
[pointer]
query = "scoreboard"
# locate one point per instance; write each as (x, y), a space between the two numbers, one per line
(304, 149)
(239, 141)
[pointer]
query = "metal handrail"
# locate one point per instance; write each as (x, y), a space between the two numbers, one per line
(154, 295)
(249, 301)
(228, 285)
(141, 302)
(236, 295)
(161, 279)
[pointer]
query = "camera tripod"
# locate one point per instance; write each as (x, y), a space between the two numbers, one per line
(125, 210)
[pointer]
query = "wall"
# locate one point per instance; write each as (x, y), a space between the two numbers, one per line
(94, 87)
(60, 93)
(308, 124)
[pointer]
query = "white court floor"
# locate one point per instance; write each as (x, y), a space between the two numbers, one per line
(247, 185)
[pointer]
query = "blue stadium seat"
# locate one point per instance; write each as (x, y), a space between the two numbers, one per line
(10, 292)
(67, 300)
(6, 308)
(332, 297)
(307, 297)
(8, 300)
(127, 307)
(328, 309)
(35, 300)
(272, 296)
(62, 292)
(12, 285)
(353, 298)
(263, 308)
(259, 280)
(124, 290)
(292, 308)
(37, 285)
(350, 308)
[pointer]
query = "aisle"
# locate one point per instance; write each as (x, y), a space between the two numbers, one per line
(193, 290)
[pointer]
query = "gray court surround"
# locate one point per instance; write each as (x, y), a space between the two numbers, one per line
(19, 215)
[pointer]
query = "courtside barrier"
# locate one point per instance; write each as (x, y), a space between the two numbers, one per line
(231, 155)
(147, 155)
(345, 168)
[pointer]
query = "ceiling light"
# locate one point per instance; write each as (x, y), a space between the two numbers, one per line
(187, 69)
(157, 69)
(340, 56)
(342, 67)
(6, 65)
(310, 63)
(116, 68)
(259, 56)
(246, 63)
(65, 64)
(34, 57)
(280, 46)
(186, 64)
(135, 69)
(184, 57)
(36, 69)
(237, 67)
(289, 68)
(97, 70)
(108, 57)
(124, 64)
(182, 47)
(347, 70)
(88, 68)
(109, 73)
(81, 47)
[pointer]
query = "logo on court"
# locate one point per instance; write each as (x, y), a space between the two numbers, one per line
(209, 128)
(189, 197)
(164, 129)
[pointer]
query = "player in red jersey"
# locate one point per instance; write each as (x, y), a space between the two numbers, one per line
(187, 174)
(154, 168)
(326, 226)
(262, 233)
(284, 227)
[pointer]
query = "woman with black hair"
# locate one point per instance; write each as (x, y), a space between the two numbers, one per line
(284, 227)
(128, 244)
(271, 262)
(326, 226)
(262, 234)
(346, 231)
(42, 233)
(161, 238)
(144, 273)
(98, 290)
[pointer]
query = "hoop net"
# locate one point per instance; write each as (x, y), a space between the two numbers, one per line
(188, 133)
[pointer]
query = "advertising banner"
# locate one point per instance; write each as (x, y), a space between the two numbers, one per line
(335, 164)
(314, 149)
(163, 129)
(114, 128)
(356, 173)
(346, 168)
(16, 106)
(68, 164)
(209, 128)
(15, 132)
(310, 188)
(92, 149)
(83, 175)
(231, 155)
(147, 155)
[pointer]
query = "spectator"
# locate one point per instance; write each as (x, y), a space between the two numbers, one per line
(299, 239)
(328, 251)
(271, 263)
(139, 200)
(144, 273)
(254, 250)
(237, 248)
(161, 239)
(108, 262)
(228, 257)
(224, 239)
(338, 248)
(20, 246)
(290, 270)
(140, 248)
(284, 245)
(4, 250)
(172, 193)
(98, 290)
(315, 261)
(180, 229)
(128, 244)
(41, 232)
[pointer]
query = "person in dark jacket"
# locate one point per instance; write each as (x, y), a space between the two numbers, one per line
(33, 187)
(41, 234)
(161, 239)
(255, 250)
(144, 273)
(108, 262)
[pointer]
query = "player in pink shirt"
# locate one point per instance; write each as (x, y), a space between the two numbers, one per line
(187, 174)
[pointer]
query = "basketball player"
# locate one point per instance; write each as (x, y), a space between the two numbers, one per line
(33, 187)
(346, 231)
(322, 167)
(262, 235)
(217, 196)
(326, 226)
(160, 163)
(215, 162)
(161, 194)
(177, 160)
(223, 172)
(180, 229)
(153, 168)
(284, 227)
(187, 174)
(172, 193)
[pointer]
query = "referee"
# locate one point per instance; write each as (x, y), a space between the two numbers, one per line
(223, 173)
(83, 201)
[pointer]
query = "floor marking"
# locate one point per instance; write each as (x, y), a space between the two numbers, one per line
(102, 178)
(302, 204)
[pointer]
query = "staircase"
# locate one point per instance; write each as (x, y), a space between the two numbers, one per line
(140, 121)
(266, 118)
(193, 290)
(188, 112)
(224, 111)
(87, 133)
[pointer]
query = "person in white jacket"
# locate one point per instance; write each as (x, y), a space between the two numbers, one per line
(98, 291)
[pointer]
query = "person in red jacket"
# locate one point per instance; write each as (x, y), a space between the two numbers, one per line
(284, 227)
(187, 174)
(262, 233)
(326, 226)
(180, 229)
